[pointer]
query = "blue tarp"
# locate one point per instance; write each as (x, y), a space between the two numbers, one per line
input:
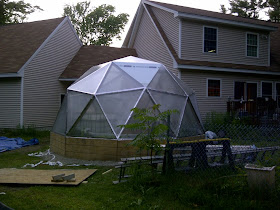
(7, 144)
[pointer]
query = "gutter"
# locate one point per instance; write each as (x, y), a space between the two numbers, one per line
(223, 21)
(11, 75)
(244, 71)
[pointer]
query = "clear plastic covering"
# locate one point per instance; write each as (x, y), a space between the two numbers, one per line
(183, 85)
(116, 80)
(92, 123)
(60, 122)
(117, 107)
(171, 102)
(140, 72)
(190, 125)
(90, 83)
(76, 103)
(163, 81)
(99, 102)
(144, 102)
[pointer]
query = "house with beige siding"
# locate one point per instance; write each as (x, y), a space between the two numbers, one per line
(38, 61)
(221, 57)
(32, 57)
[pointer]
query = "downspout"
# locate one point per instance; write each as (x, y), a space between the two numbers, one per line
(21, 102)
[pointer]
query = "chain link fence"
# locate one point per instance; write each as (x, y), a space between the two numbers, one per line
(223, 150)
(214, 167)
(248, 144)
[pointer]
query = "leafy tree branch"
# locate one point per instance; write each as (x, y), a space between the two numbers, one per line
(97, 26)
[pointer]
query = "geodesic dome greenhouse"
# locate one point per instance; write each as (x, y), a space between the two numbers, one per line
(102, 99)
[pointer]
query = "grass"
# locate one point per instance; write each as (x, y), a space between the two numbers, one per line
(208, 189)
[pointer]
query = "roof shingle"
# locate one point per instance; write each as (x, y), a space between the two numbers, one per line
(18, 42)
(211, 14)
(91, 55)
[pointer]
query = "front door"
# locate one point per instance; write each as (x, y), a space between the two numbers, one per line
(252, 90)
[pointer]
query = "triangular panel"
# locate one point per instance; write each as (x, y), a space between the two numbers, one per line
(117, 107)
(116, 79)
(92, 123)
(144, 103)
(163, 81)
(195, 106)
(187, 89)
(90, 83)
(171, 102)
(60, 122)
(143, 73)
(76, 103)
(190, 125)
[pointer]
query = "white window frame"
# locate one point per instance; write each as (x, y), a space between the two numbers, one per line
(217, 35)
(258, 45)
(207, 79)
(271, 88)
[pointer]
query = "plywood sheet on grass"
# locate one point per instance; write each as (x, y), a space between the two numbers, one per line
(32, 176)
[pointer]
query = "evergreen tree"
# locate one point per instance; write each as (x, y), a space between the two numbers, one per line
(245, 8)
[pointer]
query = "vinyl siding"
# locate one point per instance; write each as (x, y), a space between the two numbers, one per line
(170, 26)
(10, 102)
(197, 80)
(42, 89)
(231, 45)
(149, 45)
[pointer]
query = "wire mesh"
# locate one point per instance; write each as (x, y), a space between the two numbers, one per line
(224, 150)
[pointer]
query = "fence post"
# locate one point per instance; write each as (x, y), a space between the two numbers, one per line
(168, 164)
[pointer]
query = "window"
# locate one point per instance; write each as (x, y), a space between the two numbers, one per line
(210, 40)
(214, 87)
(252, 45)
(267, 89)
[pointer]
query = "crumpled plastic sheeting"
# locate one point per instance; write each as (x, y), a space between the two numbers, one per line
(50, 162)
(7, 144)
(210, 135)
(41, 154)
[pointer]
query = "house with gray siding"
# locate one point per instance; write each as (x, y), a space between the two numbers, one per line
(221, 57)
(38, 61)
(32, 57)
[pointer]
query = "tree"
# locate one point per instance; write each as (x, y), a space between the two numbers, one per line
(245, 8)
(151, 126)
(223, 9)
(96, 26)
(15, 12)
(274, 10)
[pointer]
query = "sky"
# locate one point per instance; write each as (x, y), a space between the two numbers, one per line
(54, 8)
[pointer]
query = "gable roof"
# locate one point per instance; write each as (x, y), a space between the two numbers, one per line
(195, 64)
(18, 42)
(91, 55)
(188, 12)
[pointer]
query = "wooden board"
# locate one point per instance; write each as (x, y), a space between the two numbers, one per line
(32, 176)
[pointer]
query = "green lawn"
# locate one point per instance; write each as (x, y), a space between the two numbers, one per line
(211, 189)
